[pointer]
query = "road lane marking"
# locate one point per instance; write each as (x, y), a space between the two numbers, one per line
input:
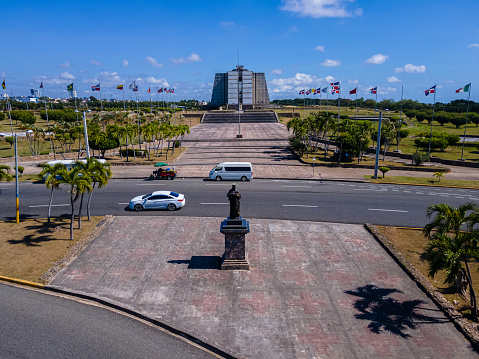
(217, 184)
(371, 189)
(386, 210)
(299, 205)
(46, 205)
(150, 184)
(124, 203)
(216, 203)
(297, 186)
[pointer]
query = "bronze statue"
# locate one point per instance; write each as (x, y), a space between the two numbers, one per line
(234, 197)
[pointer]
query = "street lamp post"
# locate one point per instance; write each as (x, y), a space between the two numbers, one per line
(85, 129)
(314, 159)
(378, 145)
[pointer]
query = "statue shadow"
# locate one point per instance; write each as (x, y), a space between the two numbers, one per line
(200, 262)
(388, 314)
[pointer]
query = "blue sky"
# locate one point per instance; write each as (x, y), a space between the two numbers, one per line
(296, 43)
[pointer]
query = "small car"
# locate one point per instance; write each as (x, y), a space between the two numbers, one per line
(158, 200)
(163, 174)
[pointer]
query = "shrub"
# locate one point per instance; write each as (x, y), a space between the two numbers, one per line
(419, 158)
(384, 170)
(297, 145)
(10, 140)
(2, 116)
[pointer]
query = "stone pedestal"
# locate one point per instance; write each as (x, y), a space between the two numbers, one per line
(235, 245)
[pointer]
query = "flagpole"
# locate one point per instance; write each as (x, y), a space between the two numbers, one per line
(400, 117)
(8, 106)
(356, 117)
(375, 110)
(46, 113)
(124, 104)
(151, 108)
(465, 126)
(101, 101)
(157, 101)
(327, 102)
(320, 90)
(432, 119)
(339, 103)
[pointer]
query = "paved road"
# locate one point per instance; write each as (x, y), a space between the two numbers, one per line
(40, 325)
(342, 202)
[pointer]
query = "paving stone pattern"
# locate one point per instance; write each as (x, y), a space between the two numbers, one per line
(315, 290)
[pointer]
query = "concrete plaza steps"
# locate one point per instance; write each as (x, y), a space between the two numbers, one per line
(244, 117)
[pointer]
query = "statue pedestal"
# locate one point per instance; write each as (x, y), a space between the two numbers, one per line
(235, 246)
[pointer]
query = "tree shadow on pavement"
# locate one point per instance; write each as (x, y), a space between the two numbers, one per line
(388, 314)
(41, 232)
(200, 262)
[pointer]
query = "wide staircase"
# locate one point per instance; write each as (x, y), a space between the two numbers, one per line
(244, 117)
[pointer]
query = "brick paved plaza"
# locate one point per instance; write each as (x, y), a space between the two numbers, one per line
(315, 290)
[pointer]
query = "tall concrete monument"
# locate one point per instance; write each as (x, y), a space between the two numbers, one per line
(241, 87)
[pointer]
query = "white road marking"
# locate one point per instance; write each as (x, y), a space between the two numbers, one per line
(299, 205)
(216, 203)
(297, 186)
(371, 189)
(150, 184)
(46, 205)
(124, 203)
(386, 210)
(217, 184)
(460, 197)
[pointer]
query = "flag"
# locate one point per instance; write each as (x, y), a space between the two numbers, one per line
(168, 91)
(333, 84)
(136, 88)
(353, 92)
(431, 90)
(466, 88)
(149, 90)
(164, 89)
(335, 91)
(119, 87)
(132, 86)
(160, 90)
(302, 92)
(374, 90)
(41, 85)
(307, 92)
(70, 87)
(172, 91)
(325, 90)
(96, 88)
(3, 85)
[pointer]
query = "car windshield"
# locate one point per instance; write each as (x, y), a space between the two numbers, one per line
(174, 194)
(146, 195)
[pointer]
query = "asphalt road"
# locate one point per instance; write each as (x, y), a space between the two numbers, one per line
(342, 202)
(41, 325)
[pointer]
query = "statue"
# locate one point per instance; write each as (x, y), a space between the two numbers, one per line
(234, 197)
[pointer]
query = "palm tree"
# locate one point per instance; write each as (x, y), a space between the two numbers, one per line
(448, 246)
(50, 174)
(78, 182)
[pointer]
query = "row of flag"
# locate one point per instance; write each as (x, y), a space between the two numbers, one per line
(133, 86)
(336, 89)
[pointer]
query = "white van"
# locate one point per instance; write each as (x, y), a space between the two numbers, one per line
(232, 171)
(69, 164)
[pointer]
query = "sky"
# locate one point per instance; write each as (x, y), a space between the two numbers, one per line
(298, 44)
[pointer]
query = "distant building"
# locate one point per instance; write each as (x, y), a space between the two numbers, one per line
(35, 92)
(240, 87)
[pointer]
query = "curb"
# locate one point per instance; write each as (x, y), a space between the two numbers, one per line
(193, 340)
(468, 329)
(22, 282)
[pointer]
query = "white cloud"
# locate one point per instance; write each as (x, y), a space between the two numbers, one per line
(192, 58)
(125, 63)
(386, 90)
(331, 63)
(377, 59)
(227, 24)
(330, 79)
(277, 71)
(152, 61)
(65, 78)
(449, 81)
(95, 63)
(320, 48)
(298, 80)
(353, 82)
(473, 45)
(65, 65)
(155, 81)
(410, 68)
(320, 8)
(392, 79)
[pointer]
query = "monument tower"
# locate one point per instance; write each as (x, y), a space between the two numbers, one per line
(240, 87)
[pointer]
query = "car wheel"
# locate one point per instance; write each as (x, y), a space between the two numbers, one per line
(244, 178)
(138, 207)
(171, 207)
(152, 177)
(170, 178)
(218, 178)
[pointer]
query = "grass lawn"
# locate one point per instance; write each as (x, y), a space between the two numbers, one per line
(31, 247)
(423, 181)
(412, 243)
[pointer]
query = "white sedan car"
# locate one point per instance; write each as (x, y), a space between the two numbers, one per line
(158, 200)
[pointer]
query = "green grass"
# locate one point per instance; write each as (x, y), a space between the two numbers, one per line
(423, 181)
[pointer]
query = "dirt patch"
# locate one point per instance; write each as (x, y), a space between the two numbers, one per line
(35, 250)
